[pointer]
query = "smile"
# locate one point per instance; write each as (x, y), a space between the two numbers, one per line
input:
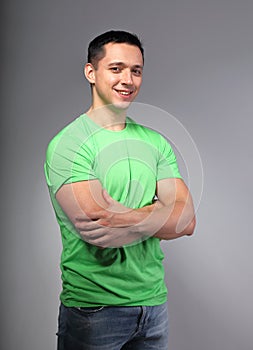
(124, 93)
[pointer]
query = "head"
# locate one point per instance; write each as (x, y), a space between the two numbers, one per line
(96, 49)
(114, 68)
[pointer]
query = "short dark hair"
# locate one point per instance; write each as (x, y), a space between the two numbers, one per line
(96, 47)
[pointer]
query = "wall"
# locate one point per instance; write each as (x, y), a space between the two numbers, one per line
(199, 69)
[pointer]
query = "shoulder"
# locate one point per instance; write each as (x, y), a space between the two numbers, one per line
(71, 136)
(148, 134)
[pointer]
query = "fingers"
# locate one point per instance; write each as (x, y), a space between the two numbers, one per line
(87, 226)
(92, 216)
(101, 236)
(98, 237)
(92, 236)
(93, 232)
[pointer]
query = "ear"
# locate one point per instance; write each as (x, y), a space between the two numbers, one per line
(89, 72)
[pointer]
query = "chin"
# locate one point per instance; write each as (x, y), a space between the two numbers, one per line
(121, 105)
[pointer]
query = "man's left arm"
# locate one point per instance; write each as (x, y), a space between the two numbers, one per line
(170, 217)
(174, 215)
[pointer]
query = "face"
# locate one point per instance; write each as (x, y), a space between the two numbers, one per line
(118, 77)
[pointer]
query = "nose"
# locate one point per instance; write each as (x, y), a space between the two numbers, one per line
(126, 77)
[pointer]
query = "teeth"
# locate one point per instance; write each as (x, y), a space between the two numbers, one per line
(124, 93)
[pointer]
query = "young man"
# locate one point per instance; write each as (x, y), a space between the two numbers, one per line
(116, 191)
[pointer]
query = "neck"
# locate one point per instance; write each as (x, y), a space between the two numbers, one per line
(108, 117)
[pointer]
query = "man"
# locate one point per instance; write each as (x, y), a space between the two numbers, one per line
(116, 191)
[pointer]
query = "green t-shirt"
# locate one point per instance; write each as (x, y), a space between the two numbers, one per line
(128, 163)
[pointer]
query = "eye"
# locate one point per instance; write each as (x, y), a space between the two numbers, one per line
(115, 69)
(137, 72)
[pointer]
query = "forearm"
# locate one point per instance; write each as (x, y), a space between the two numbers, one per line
(105, 222)
(160, 221)
(170, 222)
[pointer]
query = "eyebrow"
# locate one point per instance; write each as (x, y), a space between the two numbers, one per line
(123, 64)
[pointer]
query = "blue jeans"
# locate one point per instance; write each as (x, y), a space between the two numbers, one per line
(113, 328)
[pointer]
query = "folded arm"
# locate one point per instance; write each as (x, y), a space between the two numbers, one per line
(99, 219)
(175, 215)
(105, 222)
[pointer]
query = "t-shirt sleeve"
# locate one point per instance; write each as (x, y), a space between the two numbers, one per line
(67, 160)
(167, 164)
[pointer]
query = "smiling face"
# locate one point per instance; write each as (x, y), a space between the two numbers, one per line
(117, 79)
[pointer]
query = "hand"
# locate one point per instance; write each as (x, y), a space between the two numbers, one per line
(110, 227)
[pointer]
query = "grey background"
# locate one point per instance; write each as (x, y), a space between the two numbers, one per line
(198, 67)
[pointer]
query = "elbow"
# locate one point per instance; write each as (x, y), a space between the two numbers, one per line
(191, 227)
(186, 227)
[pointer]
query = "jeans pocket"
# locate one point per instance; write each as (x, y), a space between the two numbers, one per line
(87, 310)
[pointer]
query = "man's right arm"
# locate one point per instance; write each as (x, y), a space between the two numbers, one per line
(104, 222)
(82, 200)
